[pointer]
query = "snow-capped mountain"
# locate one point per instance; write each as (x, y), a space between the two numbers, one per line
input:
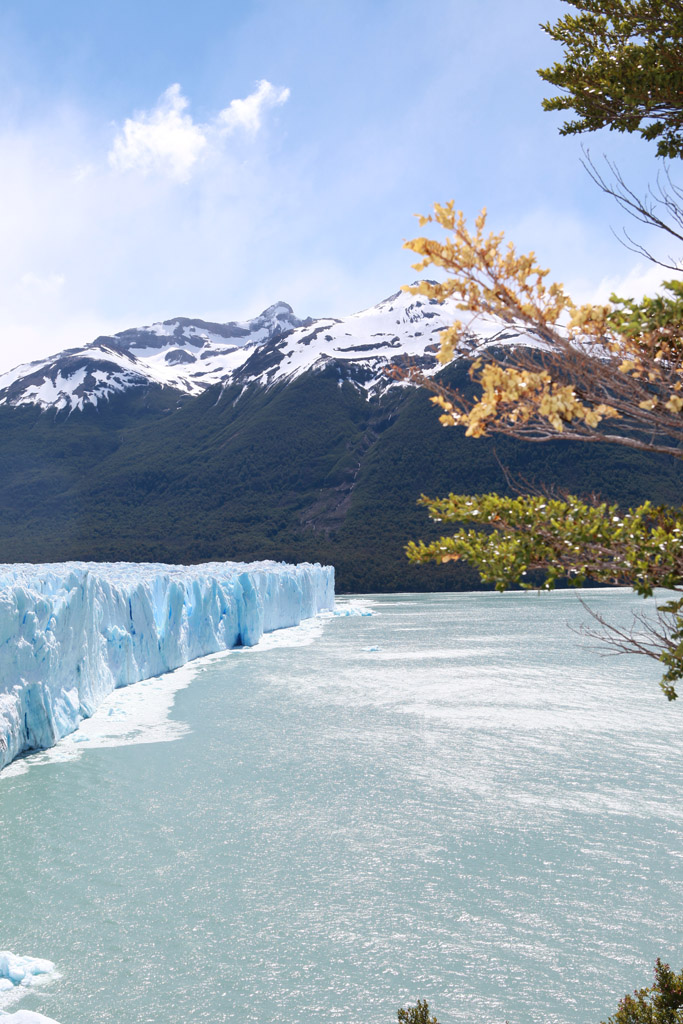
(189, 356)
(275, 438)
(183, 354)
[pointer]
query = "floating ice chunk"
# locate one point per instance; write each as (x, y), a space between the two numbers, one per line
(17, 973)
(352, 607)
(21, 970)
(26, 1017)
(71, 633)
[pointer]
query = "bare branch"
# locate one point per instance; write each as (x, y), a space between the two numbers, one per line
(647, 635)
(645, 210)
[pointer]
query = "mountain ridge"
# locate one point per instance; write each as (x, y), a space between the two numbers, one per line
(189, 355)
(304, 450)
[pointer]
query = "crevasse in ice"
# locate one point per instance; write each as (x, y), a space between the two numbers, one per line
(72, 632)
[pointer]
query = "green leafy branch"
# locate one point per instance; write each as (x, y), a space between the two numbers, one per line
(621, 69)
(570, 539)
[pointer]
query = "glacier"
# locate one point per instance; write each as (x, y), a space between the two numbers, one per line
(72, 632)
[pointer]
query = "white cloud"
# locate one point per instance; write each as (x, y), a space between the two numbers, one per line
(167, 141)
(46, 284)
(90, 250)
(247, 113)
(642, 279)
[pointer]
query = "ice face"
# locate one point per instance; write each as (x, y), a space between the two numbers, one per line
(72, 632)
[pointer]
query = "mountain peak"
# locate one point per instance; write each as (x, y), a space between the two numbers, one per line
(279, 309)
(189, 355)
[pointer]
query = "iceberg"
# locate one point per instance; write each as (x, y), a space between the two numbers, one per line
(72, 632)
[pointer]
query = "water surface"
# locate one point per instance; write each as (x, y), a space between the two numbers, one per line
(454, 799)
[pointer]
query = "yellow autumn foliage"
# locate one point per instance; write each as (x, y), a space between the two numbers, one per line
(576, 371)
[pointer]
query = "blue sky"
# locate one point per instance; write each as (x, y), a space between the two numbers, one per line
(209, 158)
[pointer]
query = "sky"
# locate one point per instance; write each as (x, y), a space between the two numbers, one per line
(207, 159)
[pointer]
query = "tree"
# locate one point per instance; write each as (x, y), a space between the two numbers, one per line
(622, 69)
(416, 1014)
(660, 1004)
(608, 374)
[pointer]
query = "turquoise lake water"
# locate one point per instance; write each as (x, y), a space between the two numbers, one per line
(456, 798)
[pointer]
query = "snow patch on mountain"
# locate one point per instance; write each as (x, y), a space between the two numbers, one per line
(188, 356)
(75, 378)
(403, 328)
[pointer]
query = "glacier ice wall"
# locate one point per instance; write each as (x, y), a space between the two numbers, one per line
(72, 632)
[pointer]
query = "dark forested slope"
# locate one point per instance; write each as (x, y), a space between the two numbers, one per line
(310, 469)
